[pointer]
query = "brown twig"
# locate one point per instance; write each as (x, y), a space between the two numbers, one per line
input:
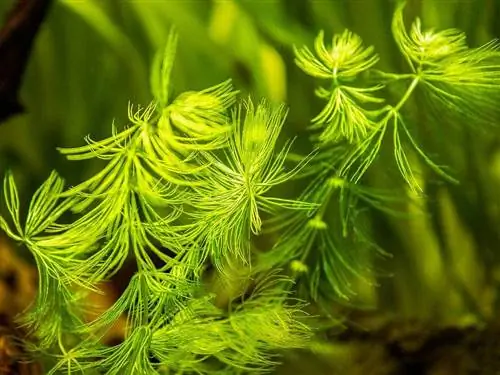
(16, 40)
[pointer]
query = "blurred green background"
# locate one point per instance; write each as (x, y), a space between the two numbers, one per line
(92, 57)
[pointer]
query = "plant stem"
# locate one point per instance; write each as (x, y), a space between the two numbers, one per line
(391, 113)
(404, 99)
(321, 211)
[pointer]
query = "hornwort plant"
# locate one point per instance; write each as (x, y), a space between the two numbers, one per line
(188, 192)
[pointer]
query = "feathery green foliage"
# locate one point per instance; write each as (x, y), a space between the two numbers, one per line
(229, 209)
(331, 247)
(343, 116)
(182, 182)
(463, 79)
(198, 180)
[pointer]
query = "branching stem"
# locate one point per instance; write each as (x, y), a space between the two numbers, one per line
(404, 98)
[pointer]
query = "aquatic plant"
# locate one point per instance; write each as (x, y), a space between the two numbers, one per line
(189, 193)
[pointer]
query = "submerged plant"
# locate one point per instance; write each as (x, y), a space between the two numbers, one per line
(194, 181)
(184, 185)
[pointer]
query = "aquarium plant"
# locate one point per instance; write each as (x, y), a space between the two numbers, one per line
(240, 240)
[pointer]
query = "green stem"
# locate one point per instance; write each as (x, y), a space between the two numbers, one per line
(404, 99)
(321, 211)
(393, 76)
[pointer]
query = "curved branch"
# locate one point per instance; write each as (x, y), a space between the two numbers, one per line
(16, 40)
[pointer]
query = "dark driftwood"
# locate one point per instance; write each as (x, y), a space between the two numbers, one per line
(16, 40)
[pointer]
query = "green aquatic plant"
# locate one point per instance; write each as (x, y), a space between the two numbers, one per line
(199, 180)
(184, 184)
(461, 79)
(331, 247)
